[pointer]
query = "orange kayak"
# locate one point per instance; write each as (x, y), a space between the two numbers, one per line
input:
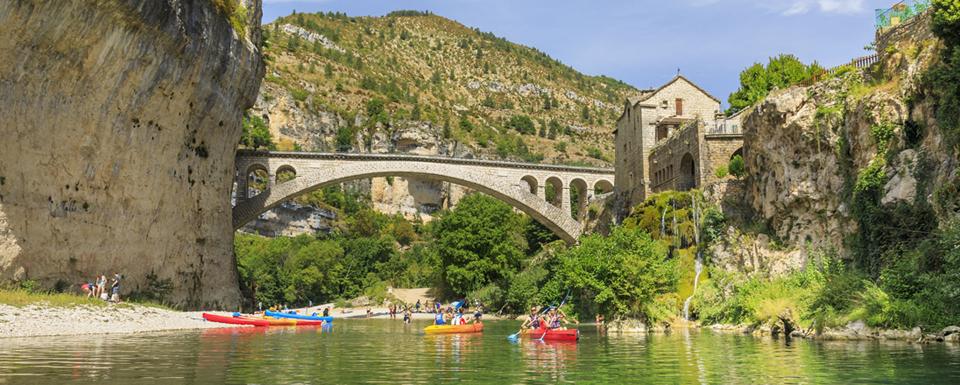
(446, 329)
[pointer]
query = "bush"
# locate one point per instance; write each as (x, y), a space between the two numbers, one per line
(621, 274)
(522, 124)
(736, 167)
(721, 171)
(256, 134)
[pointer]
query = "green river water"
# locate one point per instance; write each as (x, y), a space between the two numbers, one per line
(385, 351)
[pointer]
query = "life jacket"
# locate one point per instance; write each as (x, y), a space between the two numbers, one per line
(456, 319)
(535, 323)
(439, 319)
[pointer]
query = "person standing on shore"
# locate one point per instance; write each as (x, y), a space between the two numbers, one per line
(115, 288)
(417, 306)
(101, 286)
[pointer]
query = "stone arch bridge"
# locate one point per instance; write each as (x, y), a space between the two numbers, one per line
(522, 185)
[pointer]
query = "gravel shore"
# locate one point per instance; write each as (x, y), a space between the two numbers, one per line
(39, 320)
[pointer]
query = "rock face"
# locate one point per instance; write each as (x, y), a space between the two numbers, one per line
(807, 148)
(121, 119)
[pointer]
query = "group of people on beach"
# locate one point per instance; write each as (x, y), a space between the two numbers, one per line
(554, 319)
(97, 288)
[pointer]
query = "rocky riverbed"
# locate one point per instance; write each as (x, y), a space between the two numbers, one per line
(41, 320)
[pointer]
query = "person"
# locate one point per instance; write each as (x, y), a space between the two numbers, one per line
(436, 306)
(417, 306)
(101, 285)
(393, 311)
(326, 312)
(533, 320)
(448, 315)
(115, 288)
(458, 317)
(557, 318)
(478, 314)
(599, 320)
(87, 288)
(369, 312)
(260, 306)
(406, 316)
(438, 319)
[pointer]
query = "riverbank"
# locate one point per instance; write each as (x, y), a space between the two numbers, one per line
(49, 320)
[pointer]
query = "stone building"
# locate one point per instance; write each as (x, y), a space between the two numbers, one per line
(671, 138)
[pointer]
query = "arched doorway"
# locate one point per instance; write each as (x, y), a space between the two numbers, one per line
(687, 179)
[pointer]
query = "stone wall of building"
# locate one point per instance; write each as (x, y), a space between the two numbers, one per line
(717, 151)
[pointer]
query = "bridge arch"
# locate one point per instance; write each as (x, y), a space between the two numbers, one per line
(553, 217)
(532, 182)
(553, 191)
(602, 186)
(578, 188)
(256, 178)
(285, 173)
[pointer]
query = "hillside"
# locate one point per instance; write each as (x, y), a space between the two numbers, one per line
(416, 82)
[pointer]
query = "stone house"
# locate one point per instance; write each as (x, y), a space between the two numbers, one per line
(671, 138)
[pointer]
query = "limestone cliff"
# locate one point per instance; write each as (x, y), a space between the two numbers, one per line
(121, 119)
(812, 151)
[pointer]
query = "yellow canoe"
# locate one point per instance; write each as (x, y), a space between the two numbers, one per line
(446, 329)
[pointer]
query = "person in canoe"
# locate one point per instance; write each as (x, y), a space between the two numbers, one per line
(458, 318)
(556, 318)
(438, 319)
(533, 319)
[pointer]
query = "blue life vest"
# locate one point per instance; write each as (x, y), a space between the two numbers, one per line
(439, 319)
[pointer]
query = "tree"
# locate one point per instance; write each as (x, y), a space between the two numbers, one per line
(946, 21)
(736, 167)
(523, 124)
(623, 273)
(256, 134)
(375, 110)
(554, 130)
(465, 124)
(478, 243)
(780, 72)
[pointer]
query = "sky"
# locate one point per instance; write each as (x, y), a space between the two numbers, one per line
(644, 43)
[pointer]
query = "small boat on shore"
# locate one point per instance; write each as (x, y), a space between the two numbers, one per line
(449, 329)
(277, 314)
(258, 321)
(554, 334)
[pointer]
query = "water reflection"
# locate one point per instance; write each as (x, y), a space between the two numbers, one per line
(373, 351)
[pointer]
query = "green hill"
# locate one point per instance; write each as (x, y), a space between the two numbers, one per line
(346, 83)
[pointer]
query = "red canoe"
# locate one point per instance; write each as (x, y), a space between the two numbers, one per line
(258, 321)
(554, 335)
(234, 320)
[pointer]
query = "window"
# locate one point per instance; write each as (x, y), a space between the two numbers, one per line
(679, 106)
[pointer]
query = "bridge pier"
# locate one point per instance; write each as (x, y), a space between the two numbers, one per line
(565, 203)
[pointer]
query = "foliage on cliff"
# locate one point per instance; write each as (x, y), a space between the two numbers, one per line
(483, 90)
(780, 72)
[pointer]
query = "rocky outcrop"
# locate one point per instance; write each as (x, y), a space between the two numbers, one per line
(121, 119)
(806, 148)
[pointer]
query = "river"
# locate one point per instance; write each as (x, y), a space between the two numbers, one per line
(384, 351)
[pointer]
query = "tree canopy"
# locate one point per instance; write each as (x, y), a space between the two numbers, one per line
(758, 80)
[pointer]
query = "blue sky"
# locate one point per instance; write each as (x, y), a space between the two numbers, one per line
(644, 42)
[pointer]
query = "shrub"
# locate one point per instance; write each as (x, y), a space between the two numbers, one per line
(522, 124)
(721, 171)
(736, 167)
